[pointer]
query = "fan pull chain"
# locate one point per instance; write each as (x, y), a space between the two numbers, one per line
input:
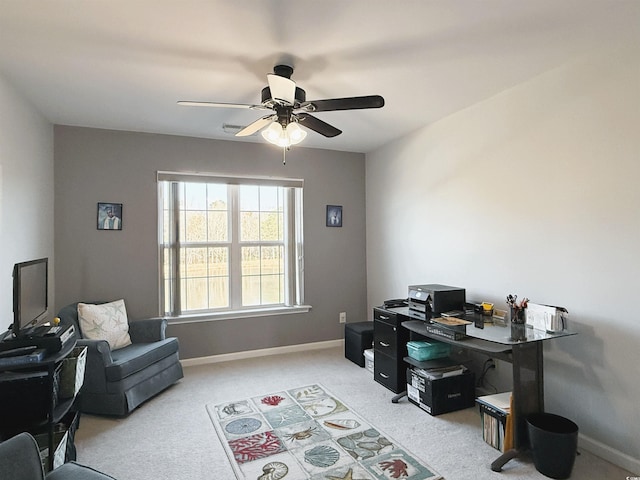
(284, 154)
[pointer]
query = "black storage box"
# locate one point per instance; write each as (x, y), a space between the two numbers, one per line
(441, 395)
(358, 337)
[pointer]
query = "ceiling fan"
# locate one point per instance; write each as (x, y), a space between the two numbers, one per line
(290, 109)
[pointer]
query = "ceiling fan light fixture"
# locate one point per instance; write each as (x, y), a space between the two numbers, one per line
(295, 133)
(289, 107)
(284, 137)
(274, 134)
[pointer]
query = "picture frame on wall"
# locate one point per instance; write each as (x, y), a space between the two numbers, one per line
(334, 215)
(109, 216)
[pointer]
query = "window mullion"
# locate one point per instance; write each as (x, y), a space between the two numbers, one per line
(297, 282)
(174, 234)
(235, 254)
(289, 247)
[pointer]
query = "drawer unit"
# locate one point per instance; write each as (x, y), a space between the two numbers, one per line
(389, 373)
(390, 347)
(387, 316)
(385, 338)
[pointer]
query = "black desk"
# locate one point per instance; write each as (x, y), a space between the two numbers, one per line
(525, 356)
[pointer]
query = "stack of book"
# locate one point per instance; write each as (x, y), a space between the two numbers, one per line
(495, 414)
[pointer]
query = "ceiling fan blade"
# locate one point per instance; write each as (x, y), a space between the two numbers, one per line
(190, 103)
(282, 88)
(317, 125)
(349, 103)
(255, 126)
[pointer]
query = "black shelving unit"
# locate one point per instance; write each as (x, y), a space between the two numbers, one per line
(36, 385)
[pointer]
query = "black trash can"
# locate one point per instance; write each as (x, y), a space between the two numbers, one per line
(554, 442)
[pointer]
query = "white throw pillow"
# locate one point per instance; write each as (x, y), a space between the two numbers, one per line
(107, 321)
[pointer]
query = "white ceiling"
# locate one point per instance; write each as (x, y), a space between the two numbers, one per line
(123, 64)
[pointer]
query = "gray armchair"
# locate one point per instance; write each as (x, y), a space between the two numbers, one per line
(20, 460)
(118, 381)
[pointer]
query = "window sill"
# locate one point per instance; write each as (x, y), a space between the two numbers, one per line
(262, 312)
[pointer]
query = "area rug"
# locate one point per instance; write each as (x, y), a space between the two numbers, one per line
(308, 433)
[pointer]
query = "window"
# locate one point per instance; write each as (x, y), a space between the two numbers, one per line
(229, 244)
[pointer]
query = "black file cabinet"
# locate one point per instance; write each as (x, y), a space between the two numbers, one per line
(390, 348)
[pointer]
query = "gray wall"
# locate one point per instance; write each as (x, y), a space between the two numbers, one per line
(111, 166)
(532, 192)
(26, 192)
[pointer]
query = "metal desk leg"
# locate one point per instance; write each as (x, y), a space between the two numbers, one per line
(528, 396)
(498, 463)
(398, 397)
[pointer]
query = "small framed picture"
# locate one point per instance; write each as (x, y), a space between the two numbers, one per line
(334, 215)
(109, 216)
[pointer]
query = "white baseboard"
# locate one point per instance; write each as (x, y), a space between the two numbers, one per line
(227, 357)
(610, 454)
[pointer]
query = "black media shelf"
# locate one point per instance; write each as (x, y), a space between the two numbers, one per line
(36, 385)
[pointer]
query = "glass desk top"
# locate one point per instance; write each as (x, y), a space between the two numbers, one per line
(492, 332)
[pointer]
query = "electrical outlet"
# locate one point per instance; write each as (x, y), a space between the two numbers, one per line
(491, 364)
(343, 317)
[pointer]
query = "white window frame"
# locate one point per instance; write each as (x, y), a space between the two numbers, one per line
(294, 256)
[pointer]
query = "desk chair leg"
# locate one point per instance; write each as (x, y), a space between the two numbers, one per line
(497, 464)
(398, 397)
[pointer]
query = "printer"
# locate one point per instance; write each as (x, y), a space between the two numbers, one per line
(430, 301)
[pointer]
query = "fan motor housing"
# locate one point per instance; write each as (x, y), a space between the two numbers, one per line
(300, 95)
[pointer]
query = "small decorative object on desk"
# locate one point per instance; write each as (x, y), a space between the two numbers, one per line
(518, 327)
(517, 308)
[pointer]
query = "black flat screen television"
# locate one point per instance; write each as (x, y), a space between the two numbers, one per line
(30, 295)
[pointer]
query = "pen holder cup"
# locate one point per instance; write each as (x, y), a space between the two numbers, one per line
(517, 315)
(518, 332)
(518, 327)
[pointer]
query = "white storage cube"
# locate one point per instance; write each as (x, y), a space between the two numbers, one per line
(368, 359)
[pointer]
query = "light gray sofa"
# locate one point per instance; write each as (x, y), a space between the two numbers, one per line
(118, 381)
(20, 460)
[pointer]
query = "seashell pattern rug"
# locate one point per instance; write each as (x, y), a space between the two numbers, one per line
(308, 433)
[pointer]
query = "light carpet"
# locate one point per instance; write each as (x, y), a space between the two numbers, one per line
(171, 437)
(308, 433)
